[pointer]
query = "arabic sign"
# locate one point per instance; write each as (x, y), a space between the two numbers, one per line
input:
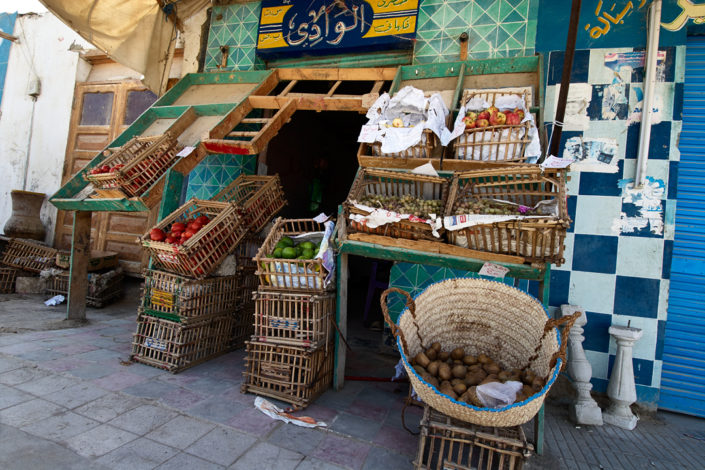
(335, 26)
(605, 19)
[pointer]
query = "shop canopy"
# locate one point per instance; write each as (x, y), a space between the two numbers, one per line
(140, 34)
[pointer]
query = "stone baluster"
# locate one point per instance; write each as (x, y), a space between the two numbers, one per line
(622, 389)
(584, 410)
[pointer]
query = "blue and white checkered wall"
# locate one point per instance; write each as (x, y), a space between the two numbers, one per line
(618, 257)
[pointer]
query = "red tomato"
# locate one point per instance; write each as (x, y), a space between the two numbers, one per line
(104, 169)
(157, 234)
(95, 171)
(171, 240)
(188, 234)
(194, 226)
(178, 227)
(203, 220)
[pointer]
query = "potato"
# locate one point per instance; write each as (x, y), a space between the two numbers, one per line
(476, 367)
(444, 371)
(472, 396)
(537, 384)
(469, 360)
(527, 390)
(436, 346)
(420, 370)
(443, 356)
(515, 375)
(491, 368)
(446, 383)
(433, 368)
(483, 359)
(455, 382)
(457, 362)
(431, 380)
(457, 354)
(449, 391)
(503, 376)
(422, 359)
(459, 371)
(460, 388)
(489, 378)
(474, 377)
(432, 354)
(528, 376)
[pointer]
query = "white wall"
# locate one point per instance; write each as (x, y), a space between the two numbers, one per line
(42, 51)
(192, 40)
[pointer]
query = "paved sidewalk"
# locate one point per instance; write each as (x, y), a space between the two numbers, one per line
(69, 400)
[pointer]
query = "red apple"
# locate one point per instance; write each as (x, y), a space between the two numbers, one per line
(484, 115)
(469, 123)
(482, 123)
(472, 115)
(513, 118)
(520, 113)
(157, 234)
(498, 118)
(178, 227)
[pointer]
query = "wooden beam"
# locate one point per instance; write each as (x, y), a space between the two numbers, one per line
(310, 102)
(8, 37)
(341, 318)
(357, 74)
(231, 120)
(288, 87)
(80, 256)
(255, 121)
(334, 87)
(268, 132)
(242, 134)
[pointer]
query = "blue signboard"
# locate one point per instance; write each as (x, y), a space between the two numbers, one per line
(335, 26)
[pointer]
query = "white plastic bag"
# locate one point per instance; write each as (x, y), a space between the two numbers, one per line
(498, 394)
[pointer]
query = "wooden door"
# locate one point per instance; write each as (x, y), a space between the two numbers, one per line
(101, 112)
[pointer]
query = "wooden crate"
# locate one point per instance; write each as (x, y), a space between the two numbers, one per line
(395, 183)
(293, 275)
(291, 374)
(537, 239)
(99, 293)
(243, 326)
(248, 283)
(428, 147)
(293, 319)
(7, 279)
(184, 300)
(98, 260)
(203, 252)
(447, 443)
(144, 160)
(501, 143)
(258, 197)
(174, 347)
(29, 255)
(247, 250)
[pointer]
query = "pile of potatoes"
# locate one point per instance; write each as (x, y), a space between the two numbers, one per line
(457, 374)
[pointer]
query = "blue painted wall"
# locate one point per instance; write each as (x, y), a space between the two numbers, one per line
(7, 25)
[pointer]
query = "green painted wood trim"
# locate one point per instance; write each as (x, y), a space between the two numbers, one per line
(384, 59)
(248, 76)
(455, 103)
(395, 83)
(370, 250)
(338, 342)
(98, 205)
(503, 65)
(436, 70)
(171, 196)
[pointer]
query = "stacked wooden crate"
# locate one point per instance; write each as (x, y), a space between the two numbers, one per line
(290, 355)
(196, 305)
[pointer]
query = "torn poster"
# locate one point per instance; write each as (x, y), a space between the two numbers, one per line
(615, 103)
(643, 208)
(624, 63)
(579, 97)
(656, 107)
(591, 154)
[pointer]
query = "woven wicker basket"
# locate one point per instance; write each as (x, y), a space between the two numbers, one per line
(258, 197)
(480, 316)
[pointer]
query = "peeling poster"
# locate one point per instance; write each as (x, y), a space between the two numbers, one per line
(596, 155)
(643, 208)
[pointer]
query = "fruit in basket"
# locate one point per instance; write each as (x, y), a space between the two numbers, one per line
(397, 122)
(492, 110)
(116, 167)
(289, 252)
(178, 227)
(472, 115)
(203, 220)
(482, 123)
(513, 118)
(285, 241)
(157, 234)
(498, 118)
(469, 123)
(519, 112)
(484, 115)
(277, 253)
(406, 204)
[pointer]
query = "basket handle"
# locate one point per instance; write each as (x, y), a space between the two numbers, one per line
(412, 309)
(552, 323)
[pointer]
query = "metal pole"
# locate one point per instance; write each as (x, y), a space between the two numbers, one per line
(565, 79)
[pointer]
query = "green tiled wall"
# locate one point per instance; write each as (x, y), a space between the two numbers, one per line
(217, 171)
(497, 28)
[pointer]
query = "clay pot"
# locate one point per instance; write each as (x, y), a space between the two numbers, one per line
(24, 221)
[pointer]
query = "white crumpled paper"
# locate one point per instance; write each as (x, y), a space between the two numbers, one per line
(378, 217)
(56, 300)
(495, 153)
(541, 210)
(274, 412)
(415, 110)
(498, 394)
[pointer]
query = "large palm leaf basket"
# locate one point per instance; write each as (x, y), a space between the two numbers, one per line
(483, 317)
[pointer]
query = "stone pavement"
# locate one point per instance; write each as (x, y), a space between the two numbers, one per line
(69, 399)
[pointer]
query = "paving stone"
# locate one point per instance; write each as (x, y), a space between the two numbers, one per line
(149, 389)
(222, 446)
(99, 355)
(42, 355)
(266, 456)
(218, 410)
(312, 463)
(108, 407)
(99, 440)
(140, 454)
(63, 364)
(355, 426)
(369, 410)
(119, 380)
(190, 462)
(143, 369)
(9, 363)
(29, 412)
(61, 427)
(10, 396)
(22, 375)
(78, 395)
(209, 386)
(180, 432)
(22, 451)
(76, 348)
(143, 419)
(47, 385)
(384, 458)
(296, 438)
(21, 348)
(253, 421)
(342, 451)
(182, 398)
(93, 370)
